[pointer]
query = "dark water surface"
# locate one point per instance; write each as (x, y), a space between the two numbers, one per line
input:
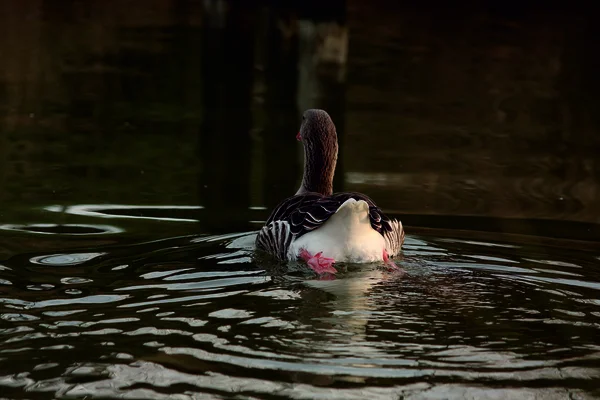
(195, 317)
(142, 143)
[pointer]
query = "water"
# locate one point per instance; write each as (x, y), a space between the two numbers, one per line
(196, 317)
(141, 148)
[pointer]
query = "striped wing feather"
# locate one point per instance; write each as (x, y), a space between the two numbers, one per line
(275, 239)
(394, 237)
(300, 214)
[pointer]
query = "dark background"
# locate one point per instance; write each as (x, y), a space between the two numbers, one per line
(479, 115)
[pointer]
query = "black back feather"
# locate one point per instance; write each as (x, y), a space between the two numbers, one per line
(306, 212)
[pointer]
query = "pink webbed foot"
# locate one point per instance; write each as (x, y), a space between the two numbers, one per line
(391, 266)
(318, 263)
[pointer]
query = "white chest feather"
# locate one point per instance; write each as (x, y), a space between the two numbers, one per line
(346, 237)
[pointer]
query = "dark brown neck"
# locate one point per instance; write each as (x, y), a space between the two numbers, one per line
(319, 168)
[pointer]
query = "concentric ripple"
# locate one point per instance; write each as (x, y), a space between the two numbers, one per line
(202, 318)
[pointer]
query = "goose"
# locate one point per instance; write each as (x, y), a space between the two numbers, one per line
(322, 227)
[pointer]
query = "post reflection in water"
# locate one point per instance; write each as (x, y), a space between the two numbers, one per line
(142, 145)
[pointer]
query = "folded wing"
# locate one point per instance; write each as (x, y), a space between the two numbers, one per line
(300, 214)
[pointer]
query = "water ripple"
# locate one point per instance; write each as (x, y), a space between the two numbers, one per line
(175, 322)
(65, 259)
(63, 229)
(125, 211)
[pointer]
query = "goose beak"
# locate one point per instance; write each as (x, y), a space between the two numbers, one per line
(298, 137)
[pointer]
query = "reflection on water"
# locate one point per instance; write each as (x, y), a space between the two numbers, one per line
(64, 229)
(198, 103)
(64, 259)
(126, 211)
(141, 147)
(196, 316)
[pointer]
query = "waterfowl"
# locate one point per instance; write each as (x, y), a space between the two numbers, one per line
(321, 227)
